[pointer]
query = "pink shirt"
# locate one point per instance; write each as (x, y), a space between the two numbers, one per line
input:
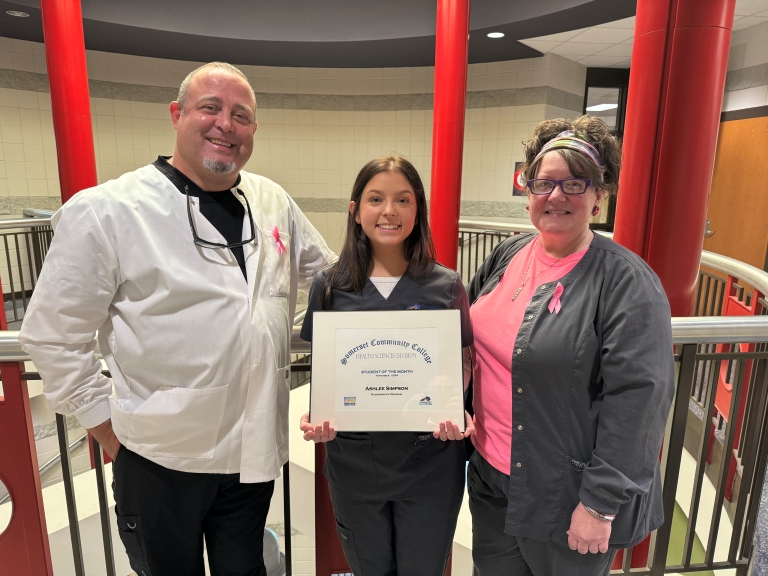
(496, 319)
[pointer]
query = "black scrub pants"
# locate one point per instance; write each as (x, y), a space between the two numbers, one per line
(397, 537)
(495, 553)
(163, 516)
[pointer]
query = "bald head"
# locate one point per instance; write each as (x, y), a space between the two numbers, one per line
(184, 89)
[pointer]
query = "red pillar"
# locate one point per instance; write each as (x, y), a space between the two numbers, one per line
(24, 546)
(70, 100)
(24, 549)
(329, 555)
(451, 47)
(679, 62)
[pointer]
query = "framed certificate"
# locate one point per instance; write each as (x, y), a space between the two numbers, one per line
(387, 370)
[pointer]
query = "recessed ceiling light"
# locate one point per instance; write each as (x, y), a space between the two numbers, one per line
(17, 13)
(495, 34)
(601, 107)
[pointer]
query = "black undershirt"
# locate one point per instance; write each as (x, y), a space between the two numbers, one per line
(221, 209)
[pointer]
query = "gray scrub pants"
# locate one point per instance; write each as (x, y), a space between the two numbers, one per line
(397, 537)
(495, 553)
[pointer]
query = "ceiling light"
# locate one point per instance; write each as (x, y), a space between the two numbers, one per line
(601, 107)
(17, 13)
(495, 34)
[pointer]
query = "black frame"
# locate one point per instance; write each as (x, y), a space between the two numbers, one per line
(609, 78)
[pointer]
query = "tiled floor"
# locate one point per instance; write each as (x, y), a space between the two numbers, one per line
(761, 535)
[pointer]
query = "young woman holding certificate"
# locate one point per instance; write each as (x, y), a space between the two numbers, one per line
(396, 495)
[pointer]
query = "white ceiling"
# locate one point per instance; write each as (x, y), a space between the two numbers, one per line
(610, 45)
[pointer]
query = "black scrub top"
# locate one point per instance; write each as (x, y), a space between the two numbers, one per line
(395, 465)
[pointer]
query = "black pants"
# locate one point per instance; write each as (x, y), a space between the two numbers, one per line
(397, 537)
(163, 516)
(495, 553)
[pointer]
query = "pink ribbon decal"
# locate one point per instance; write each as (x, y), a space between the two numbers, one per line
(278, 243)
(554, 304)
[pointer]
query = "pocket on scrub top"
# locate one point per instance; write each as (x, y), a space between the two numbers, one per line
(179, 422)
(278, 265)
(575, 474)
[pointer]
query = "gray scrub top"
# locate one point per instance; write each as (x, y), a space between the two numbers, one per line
(395, 465)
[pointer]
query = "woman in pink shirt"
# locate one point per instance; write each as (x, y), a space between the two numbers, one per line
(573, 375)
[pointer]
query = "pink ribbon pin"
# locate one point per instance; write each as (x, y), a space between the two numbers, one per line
(278, 243)
(554, 303)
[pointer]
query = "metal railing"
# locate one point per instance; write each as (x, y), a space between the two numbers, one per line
(713, 289)
(478, 238)
(25, 242)
(725, 540)
(706, 347)
(689, 335)
(13, 376)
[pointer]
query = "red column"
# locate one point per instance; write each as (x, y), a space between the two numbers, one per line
(24, 549)
(329, 555)
(70, 101)
(451, 48)
(24, 546)
(679, 62)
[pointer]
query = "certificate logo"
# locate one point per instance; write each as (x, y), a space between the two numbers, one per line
(350, 400)
(418, 306)
(426, 401)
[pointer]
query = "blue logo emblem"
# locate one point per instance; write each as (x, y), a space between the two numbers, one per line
(418, 306)
(426, 401)
(350, 400)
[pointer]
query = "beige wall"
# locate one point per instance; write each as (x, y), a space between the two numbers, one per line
(317, 127)
(312, 144)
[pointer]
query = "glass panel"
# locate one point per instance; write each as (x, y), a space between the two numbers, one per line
(603, 103)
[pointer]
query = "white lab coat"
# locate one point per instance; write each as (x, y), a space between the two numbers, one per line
(200, 359)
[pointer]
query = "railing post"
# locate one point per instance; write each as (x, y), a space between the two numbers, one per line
(287, 518)
(674, 455)
(24, 547)
(329, 556)
(3, 316)
(67, 479)
(36, 251)
(106, 522)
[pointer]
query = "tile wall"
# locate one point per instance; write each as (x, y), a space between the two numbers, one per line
(317, 127)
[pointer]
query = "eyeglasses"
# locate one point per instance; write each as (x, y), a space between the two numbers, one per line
(570, 186)
(207, 243)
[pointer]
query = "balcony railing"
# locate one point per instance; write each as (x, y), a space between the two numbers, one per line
(24, 242)
(713, 471)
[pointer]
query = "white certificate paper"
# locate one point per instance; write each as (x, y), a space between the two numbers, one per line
(387, 371)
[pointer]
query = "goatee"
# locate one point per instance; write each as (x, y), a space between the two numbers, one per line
(219, 167)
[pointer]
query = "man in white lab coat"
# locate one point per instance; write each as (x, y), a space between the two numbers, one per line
(188, 269)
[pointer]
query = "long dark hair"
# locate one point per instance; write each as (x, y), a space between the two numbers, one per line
(350, 272)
